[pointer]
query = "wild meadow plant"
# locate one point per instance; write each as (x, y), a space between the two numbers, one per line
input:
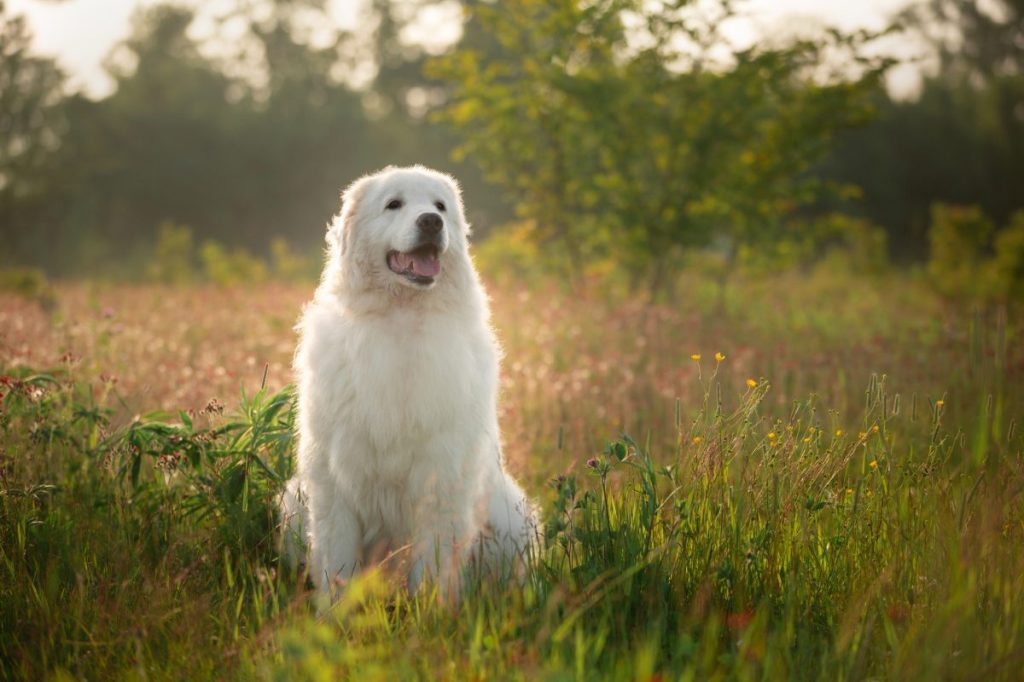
(761, 544)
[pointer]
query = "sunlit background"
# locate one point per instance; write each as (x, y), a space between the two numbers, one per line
(81, 34)
(241, 120)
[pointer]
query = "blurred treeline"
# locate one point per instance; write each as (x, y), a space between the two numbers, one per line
(244, 147)
(610, 129)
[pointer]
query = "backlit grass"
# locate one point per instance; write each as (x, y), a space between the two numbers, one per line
(836, 495)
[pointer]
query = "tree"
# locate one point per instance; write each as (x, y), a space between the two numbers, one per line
(982, 65)
(639, 152)
(30, 128)
(196, 141)
(961, 141)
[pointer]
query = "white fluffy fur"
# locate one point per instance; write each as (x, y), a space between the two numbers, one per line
(397, 382)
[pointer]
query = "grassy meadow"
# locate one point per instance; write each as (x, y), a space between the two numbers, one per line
(817, 475)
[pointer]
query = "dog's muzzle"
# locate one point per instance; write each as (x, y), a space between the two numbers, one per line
(421, 264)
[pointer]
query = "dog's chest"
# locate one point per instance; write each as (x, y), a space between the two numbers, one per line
(416, 381)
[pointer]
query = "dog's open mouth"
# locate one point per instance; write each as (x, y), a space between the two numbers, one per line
(421, 265)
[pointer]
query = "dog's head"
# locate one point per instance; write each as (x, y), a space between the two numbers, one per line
(400, 227)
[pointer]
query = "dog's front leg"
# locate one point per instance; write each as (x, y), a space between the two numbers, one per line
(440, 559)
(335, 542)
(443, 532)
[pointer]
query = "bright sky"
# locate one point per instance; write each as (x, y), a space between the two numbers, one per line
(81, 33)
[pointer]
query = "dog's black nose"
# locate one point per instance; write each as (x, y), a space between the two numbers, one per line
(430, 224)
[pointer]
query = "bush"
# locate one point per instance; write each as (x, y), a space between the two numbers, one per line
(512, 251)
(958, 237)
(1008, 262)
(836, 239)
(227, 268)
(971, 260)
(859, 243)
(288, 265)
(29, 283)
(174, 256)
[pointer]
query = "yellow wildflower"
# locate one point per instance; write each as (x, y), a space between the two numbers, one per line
(697, 440)
(695, 357)
(874, 429)
(849, 491)
(862, 435)
(839, 433)
(719, 357)
(751, 383)
(940, 403)
(873, 464)
(807, 439)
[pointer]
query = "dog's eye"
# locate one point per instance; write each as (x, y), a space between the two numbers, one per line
(394, 205)
(439, 205)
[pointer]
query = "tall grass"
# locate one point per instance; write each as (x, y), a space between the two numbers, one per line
(761, 546)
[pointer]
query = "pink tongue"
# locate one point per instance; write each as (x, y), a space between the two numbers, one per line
(425, 265)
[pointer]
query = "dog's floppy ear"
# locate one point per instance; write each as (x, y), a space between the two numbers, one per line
(339, 232)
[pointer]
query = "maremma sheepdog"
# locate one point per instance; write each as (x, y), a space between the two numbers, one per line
(399, 451)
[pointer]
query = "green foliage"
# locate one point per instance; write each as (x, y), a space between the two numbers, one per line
(226, 268)
(763, 547)
(971, 260)
(228, 476)
(641, 152)
(957, 141)
(837, 240)
(29, 283)
(1008, 262)
(31, 122)
(104, 529)
(255, 142)
(244, 146)
(173, 260)
(289, 266)
(864, 244)
(753, 536)
(515, 252)
(958, 237)
(29, 91)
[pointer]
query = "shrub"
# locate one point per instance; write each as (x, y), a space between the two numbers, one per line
(511, 251)
(973, 261)
(29, 283)
(227, 268)
(287, 264)
(857, 242)
(958, 238)
(836, 239)
(174, 256)
(1008, 262)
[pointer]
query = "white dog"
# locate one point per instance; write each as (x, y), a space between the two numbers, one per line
(397, 372)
